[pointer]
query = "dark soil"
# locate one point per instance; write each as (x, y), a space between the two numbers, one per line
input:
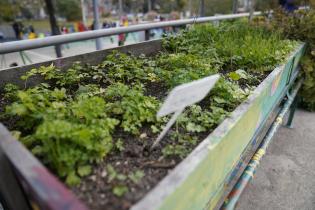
(96, 190)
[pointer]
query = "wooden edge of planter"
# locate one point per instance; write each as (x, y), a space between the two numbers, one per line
(42, 188)
(34, 185)
(182, 171)
(252, 148)
(13, 75)
(10, 199)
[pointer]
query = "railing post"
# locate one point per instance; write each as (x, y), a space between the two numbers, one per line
(252, 9)
(96, 23)
(235, 6)
(53, 24)
(147, 35)
(202, 8)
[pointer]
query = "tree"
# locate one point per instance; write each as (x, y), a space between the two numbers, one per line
(212, 7)
(70, 9)
(7, 11)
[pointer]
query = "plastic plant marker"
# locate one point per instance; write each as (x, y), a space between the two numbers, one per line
(181, 97)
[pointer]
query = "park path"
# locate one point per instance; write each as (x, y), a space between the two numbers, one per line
(285, 178)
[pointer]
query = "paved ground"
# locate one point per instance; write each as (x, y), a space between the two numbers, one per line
(48, 53)
(285, 178)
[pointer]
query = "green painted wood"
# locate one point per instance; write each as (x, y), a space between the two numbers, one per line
(199, 181)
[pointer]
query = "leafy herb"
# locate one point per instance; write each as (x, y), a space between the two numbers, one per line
(69, 121)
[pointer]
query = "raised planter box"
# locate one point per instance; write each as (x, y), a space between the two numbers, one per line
(201, 181)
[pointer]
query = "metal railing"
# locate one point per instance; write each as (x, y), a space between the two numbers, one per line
(15, 46)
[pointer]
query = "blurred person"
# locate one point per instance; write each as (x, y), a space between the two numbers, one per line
(288, 5)
(31, 33)
(41, 35)
(64, 30)
(108, 25)
(121, 39)
(17, 30)
(81, 27)
(31, 28)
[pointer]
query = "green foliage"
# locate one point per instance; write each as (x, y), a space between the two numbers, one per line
(301, 26)
(117, 179)
(308, 89)
(7, 11)
(131, 106)
(74, 75)
(114, 175)
(181, 145)
(70, 9)
(68, 122)
(10, 91)
(119, 145)
(128, 69)
(136, 176)
(249, 47)
(65, 133)
(120, 190)
(181, 68)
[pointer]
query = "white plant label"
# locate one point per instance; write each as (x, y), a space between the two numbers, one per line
(181, 97)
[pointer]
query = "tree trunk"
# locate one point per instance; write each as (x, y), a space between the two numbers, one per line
(252, 9)
(53, 24)
(202, 8)
(121, 9)
(235, 6)
(149, 5)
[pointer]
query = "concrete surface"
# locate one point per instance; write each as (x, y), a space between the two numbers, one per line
(75, 48)
(285, 177)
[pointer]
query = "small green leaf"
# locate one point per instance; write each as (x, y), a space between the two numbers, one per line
(136, 176)
(72, 179)
(234, 76)
(84, 170)
(120, 145)
(120, 190)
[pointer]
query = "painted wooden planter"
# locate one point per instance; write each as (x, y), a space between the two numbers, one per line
(201, 181)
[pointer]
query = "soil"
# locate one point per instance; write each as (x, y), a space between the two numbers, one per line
(96, 191)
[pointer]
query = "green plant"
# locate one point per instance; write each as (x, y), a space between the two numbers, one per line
(181, 146)
(79, 116)
(117, 180)
(300, 26)
(250, 48)
(131, 106)
(128, 69)
(67, 134)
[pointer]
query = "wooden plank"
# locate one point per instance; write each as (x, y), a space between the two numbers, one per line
(42, 189)
(13, 75)
(198, 181)
(195, 183)
(253, 145)
(11, 195)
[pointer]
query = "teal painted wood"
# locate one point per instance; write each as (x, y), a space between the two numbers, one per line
(199, 181)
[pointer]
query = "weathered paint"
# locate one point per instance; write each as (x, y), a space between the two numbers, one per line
(250, 170)
(196, 183)
(42, 189)
(199, 181)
